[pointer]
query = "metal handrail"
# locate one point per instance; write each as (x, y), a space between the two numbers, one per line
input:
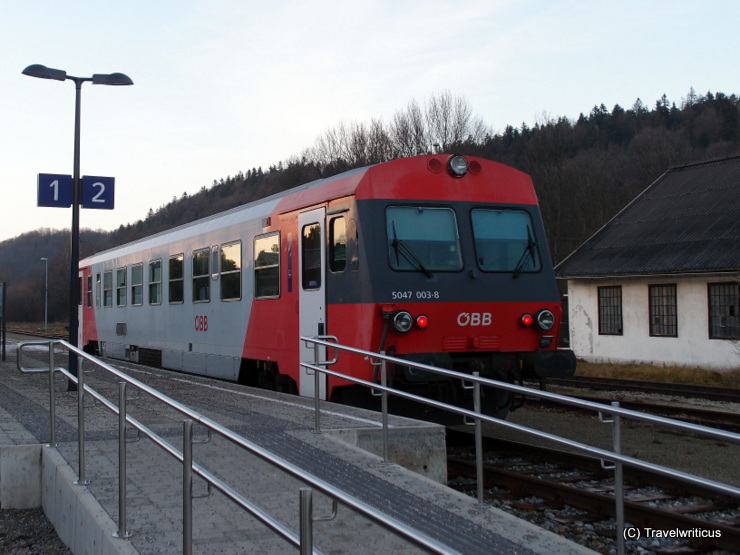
(615, 456)
(302, 541)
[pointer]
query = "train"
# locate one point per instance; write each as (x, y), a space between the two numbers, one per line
(435, 259)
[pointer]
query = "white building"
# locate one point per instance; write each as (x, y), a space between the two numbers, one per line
(660, 282)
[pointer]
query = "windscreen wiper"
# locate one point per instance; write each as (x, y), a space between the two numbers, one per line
(528, 252)
(408, 253)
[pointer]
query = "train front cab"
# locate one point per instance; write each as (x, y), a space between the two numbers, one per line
(462, 284)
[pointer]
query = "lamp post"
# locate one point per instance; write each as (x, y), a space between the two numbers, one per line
(46, 292)
(43, 72)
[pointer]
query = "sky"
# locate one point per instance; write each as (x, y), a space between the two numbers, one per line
(223, 86)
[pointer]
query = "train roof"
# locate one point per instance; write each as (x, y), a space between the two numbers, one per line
(262, 207)
(400, 178)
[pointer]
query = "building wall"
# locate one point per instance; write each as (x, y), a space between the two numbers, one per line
(692, 347)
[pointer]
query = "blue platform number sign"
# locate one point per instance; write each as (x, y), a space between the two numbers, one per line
(97, 192)
(55, 190)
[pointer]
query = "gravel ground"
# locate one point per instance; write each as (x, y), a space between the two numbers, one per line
(704, 457)
(28, 531)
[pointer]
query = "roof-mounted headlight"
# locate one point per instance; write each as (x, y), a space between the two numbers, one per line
(457, 165)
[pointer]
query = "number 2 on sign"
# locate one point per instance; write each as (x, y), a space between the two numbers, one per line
(97, 198)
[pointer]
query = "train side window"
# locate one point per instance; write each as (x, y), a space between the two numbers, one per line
(89, 291)
(97, 290)
(231, 271)
(121, 286)
(201, 276)
(137, 284)
(311, 267)
(337, 244)
(155, 281)
(177, 278)
(267, 266)
(108, 288)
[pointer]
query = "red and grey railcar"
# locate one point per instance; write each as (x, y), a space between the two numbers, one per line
(439, 259)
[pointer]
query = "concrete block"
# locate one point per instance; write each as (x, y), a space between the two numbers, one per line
(20, 476)
(419, 449)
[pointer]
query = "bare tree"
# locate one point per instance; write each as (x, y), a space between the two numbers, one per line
(408, 132)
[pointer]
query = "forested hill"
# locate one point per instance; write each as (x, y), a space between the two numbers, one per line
(584, 172)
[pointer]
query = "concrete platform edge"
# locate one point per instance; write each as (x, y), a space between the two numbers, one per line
(80, 521)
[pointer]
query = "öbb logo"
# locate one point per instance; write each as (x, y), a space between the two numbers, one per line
(474, 319)
(201, 323)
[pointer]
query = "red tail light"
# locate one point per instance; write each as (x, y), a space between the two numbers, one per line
(527, 320)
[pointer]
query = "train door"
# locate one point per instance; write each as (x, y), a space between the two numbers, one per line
(312, 296)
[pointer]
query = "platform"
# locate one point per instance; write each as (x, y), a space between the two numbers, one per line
(281, 423)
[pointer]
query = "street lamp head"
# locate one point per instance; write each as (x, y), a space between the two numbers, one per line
(111, 79)
(43, 72)
(43, 259)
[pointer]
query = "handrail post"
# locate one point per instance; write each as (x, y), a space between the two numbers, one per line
(384, 405)
(316, 392)
(80, 425)
(52, 401)
(478, 439)
(122, 532)
(187, 487)
(618, 480)
(306, 520)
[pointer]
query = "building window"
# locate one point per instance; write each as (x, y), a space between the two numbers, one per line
(231, 271)
(121, 287)
(610, 310)
(724, 320)
(267, 266)
(663, 314)
(137, 284)
(201, 276)
(155, 282)
(177, 278)
(108, 288)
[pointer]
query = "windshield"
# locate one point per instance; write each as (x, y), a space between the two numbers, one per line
(423, 239)
(504, 241)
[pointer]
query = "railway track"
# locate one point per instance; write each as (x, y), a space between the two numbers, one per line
(712, 393)
(704, 416)
(649, 397)
(555, 479)
(39, 334)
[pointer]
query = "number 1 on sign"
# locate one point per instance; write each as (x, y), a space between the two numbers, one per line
(55, 185)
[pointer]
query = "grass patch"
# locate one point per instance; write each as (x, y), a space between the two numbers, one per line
(671, 374)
